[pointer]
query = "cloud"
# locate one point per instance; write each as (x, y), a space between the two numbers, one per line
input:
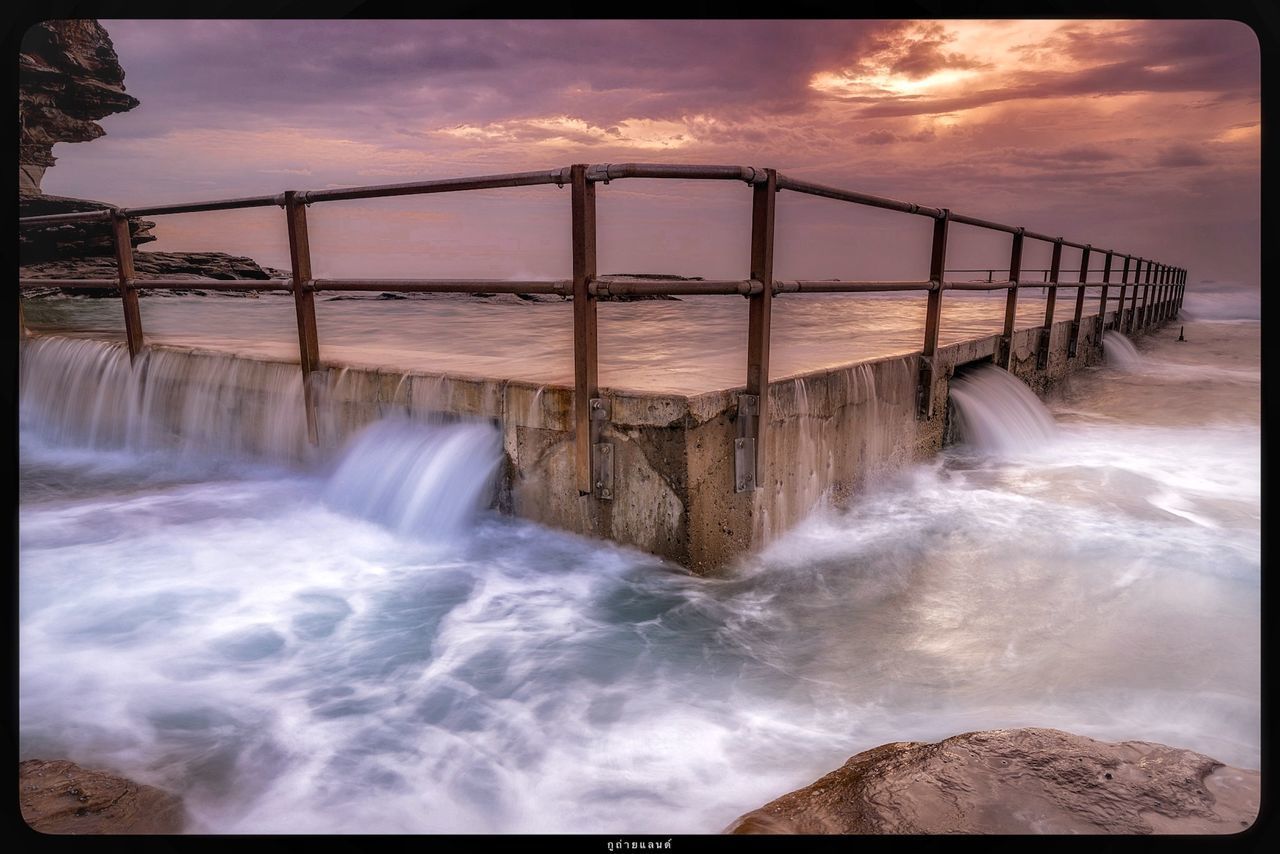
(885, 137)
(1182, 155)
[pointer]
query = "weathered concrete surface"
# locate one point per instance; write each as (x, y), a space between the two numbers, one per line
(1018, 781)
(830, 434)
(63, 798)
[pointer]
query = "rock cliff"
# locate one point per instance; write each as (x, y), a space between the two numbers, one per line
(69, 77)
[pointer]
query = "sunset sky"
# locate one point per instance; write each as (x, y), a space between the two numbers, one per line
(1141, 136)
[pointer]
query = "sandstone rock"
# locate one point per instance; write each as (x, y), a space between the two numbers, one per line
(68, 77)
(61, 797)
(1018, 781)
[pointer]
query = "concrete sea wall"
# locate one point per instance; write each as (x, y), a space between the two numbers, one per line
(830, 433)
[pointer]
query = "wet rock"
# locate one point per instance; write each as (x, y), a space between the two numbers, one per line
(1018, 781)
(63, 798)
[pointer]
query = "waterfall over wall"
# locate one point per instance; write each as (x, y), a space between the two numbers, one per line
(996, 411)
(420, 480)
(1120, 352)
(86, 393)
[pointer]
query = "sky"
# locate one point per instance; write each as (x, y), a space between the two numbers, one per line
(1138, 136)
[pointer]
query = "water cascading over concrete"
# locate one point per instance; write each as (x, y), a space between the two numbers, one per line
(995, 411)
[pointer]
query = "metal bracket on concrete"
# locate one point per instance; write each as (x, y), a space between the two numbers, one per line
(1004, 350)
(924, 390)
(601, 452)
(1073, 344)
(1042, 353)
(744, 447)
(602, 471)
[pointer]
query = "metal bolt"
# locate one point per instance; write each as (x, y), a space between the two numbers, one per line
(599, 484)
(606, 449)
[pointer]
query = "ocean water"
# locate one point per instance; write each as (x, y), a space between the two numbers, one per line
(358, 645)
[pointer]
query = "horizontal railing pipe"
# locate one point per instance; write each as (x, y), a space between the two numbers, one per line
(99, 284)
(977, 286)
(983, 223)
(203, 207)
(613, 171)
(441, 185)
(638, 286)
(72, 216)
(804, 286)
(440, 286)
(213, 284)
(812, 189)
(162, 284)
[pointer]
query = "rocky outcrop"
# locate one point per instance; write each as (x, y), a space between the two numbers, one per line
(68, 77)
(154, 265)
(63, 798)
(1018, 781)
(37, 244)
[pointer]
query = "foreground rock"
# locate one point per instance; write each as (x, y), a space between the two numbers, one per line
(1018, 781)
(61, 797)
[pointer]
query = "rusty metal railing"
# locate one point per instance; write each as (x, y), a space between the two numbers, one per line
(1161, 286)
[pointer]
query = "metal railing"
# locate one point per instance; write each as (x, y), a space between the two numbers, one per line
(1161, 286)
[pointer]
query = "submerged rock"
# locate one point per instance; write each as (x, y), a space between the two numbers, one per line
(61, 797)
(1018, 781)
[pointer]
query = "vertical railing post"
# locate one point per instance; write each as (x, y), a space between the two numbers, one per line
(933, 314)
(1124, 282)
(1157, 295)
(1055, 265)
(1005, 359)
(1102, 300)
(1137, 291)
(1133, 302)
(585, 355)
(1146, 294)
(304, 304)
(1074, 345)
(124, 271)
(753, 406)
